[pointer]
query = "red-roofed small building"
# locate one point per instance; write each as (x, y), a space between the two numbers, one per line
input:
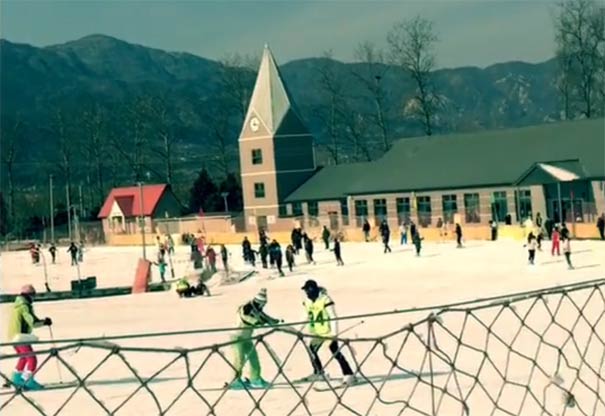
(123, 206)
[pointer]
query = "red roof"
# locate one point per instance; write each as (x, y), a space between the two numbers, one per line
(128, 199)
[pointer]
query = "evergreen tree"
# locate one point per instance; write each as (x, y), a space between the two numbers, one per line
(232, 186)
(204, 194)
(3, 216)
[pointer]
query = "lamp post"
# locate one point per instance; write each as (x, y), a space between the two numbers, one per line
(52, 209)
(225, 195)
(142, 219)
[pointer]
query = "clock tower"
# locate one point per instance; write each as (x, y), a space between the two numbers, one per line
(275, 148)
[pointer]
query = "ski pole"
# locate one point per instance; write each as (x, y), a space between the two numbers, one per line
(350, 327)
(52, 338)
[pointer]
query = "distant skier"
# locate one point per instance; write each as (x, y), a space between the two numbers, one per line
(73, 251)
(323, 325)
(277, 256)
(22, 321)
(53, 252)
(403, 232)
(337, 252)
(251, 316)
(532, 244)
(308, 248)
(225, 258)
(162, 269)
(385, 233)
(458, 232)
(246, 248)
(366, 230)
(290, 256)
(211, 258)
(417, 241)
(263, 252)
(556, 241)
(325, 236)
(567, 252)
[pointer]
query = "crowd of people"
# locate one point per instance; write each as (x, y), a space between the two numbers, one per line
(76, 252)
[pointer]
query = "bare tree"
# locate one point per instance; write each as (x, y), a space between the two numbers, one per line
(565, 83)
(411, 44)
(579, 33)
(237, 81)
(370, 72)
(94, 120)
(161, 124)
(61, 134)
(333, 93)
(11, 138)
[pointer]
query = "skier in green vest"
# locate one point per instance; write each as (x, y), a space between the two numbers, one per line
(250, 316)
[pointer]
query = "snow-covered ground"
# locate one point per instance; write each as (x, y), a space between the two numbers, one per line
(399, 367)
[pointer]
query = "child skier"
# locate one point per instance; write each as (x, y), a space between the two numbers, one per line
(22, 321)
(251, 316)
(276, 253)
(417, 241)
(53, 252)
(567, 252)
(73, 252)
(325, 236)
(225, 258)
(532, 244)
(321, 315)
(162, 269)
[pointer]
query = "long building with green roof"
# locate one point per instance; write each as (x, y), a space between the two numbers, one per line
(472, 178)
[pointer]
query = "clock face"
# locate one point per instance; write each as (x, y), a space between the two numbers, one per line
(254, 124)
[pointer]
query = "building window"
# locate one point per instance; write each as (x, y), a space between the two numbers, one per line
(450, 208)
(523, 203)
(259, 190)
(283, 210)
(471, 208)
(313, 209)
(403, 210)
(297, 210)
(499, 206)
(257, 156)
(361, 211)
(344, 211)
(380, 210)
(424, 210)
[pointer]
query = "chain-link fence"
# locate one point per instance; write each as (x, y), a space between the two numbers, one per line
(535, 353)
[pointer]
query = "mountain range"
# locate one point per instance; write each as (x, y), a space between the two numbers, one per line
(36, 81)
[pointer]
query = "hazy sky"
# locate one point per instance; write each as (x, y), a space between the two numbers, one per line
(471, 32)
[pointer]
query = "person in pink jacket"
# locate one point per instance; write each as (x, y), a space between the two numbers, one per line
(556, 242)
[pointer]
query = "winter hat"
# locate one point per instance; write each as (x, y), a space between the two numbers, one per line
(261, 297)
(28, 290)
(310, 285)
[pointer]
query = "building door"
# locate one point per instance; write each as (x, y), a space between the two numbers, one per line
(333, 216)
(261, 222)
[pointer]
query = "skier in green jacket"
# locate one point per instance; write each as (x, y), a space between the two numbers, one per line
(250, 316)
(22, 321)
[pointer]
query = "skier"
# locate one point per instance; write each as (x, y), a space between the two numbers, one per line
(277, 256)
(413, 230)
(262, 237)
(169, 244)
(458, 235)
(403, 231)
(73, 251)
(556, 238)
(225, 258)
(246, 248)
(539, 237)
(22, 321)
(53, 252)
(417, 241)
(567, 252)
(264, 252)
(211, 258)
(162, 269)
(385, 233)
(366, 230)
(532, 243)
(290, 256)
(251, 316)
(337, 252)
(325, 236)
(601, 226)
(308, 248)
(323, 325)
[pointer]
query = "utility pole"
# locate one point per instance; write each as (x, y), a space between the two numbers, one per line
(52, 210)
(225, 195)
(81, 205)
(142, 219)
(68, 211)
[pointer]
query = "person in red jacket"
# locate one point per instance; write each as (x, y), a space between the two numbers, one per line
(556, 241)
(211, 257)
